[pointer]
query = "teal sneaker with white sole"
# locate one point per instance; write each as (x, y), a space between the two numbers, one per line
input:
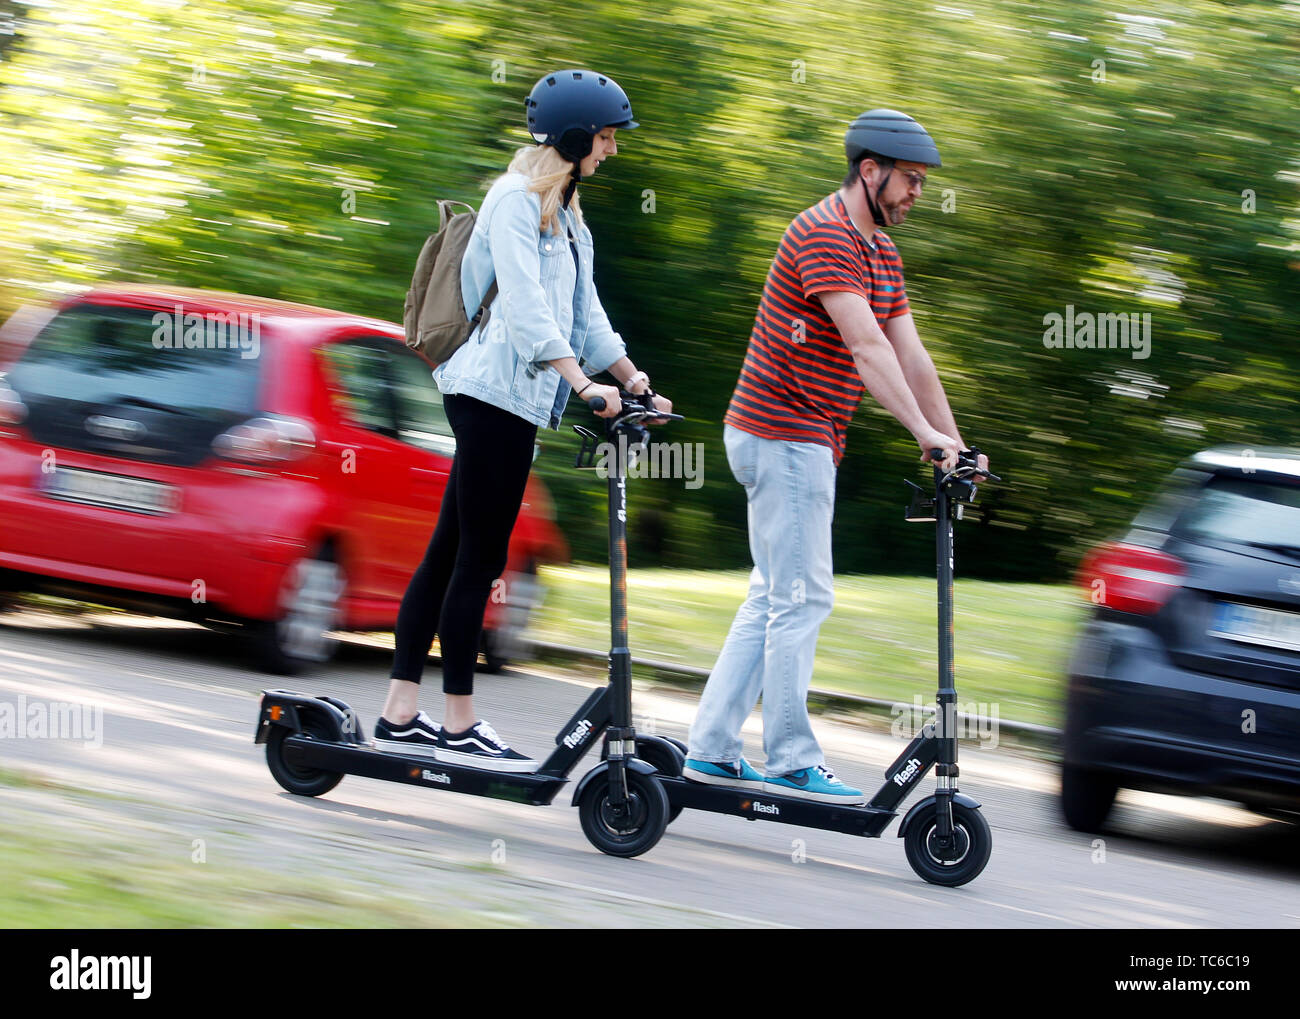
(817, 783)
(741, 775)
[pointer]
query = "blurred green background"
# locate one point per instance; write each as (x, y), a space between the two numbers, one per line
(1139, 162)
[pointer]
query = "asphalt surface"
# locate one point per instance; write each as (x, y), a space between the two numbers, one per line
(178, 763)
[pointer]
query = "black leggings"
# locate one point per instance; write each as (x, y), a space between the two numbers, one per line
(449, 590)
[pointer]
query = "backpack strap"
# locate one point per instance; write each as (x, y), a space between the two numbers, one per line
(444, 213)
(481, 316)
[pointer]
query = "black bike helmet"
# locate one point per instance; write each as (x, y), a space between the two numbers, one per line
(567, 109)
(892, 135)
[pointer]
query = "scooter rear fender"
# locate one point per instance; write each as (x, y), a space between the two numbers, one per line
(292, 710)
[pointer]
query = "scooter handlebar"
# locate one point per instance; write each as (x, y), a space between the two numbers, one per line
(635, 408)
(967, 464)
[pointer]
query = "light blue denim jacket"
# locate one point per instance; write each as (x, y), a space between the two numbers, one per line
(538, 315)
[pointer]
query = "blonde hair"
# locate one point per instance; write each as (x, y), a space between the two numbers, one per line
(550, 173)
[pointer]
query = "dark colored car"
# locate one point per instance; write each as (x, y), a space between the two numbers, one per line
(233, 461)
(1186, 678)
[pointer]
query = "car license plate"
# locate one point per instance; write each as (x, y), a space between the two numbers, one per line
(116, 491)
(1252, 624)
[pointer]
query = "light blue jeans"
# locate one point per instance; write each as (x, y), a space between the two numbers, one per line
(790, 487)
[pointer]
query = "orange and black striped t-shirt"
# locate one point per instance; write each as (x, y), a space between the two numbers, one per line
(798, 380)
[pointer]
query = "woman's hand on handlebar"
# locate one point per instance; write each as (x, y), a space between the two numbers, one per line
(613, 403)
(661, 403)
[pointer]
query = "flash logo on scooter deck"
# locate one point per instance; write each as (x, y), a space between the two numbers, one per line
(442, 778)
(905, 776)
(579, 734)
(761, 808)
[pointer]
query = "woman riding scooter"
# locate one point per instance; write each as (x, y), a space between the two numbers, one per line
(510, 377)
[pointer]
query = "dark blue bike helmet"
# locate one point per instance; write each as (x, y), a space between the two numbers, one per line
(567, 109)
(891, 135)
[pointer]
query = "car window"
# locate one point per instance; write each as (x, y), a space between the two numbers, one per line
(1245, 512)
(360, 369)
(101, 354)
(22, 325)
(1175, 496)
(421, 418)
(164, 383)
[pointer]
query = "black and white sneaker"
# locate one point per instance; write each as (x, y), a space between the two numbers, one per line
(480, 747)
(418, 737)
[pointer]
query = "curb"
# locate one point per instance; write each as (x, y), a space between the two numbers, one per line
(692, 677)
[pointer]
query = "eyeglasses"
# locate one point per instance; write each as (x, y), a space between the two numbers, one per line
(914, 180)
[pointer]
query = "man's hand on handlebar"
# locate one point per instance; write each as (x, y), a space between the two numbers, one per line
(972, 466)
(952, 455)
(933, 441)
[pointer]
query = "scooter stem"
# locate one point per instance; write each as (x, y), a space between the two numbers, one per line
(945, 770)
(620, 657)
(946, 698)
(620, 737)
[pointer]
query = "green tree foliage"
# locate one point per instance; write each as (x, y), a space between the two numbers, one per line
(1108, 162)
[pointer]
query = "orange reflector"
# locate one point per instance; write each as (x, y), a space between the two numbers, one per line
(276, 712)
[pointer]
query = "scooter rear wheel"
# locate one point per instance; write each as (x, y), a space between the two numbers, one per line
(974, 844)
(634, 829)
(296, 779)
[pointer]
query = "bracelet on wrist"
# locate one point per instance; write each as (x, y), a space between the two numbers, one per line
(590, 383)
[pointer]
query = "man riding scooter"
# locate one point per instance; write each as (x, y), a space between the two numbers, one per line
(833, 320)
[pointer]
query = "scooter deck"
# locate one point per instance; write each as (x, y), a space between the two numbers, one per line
(866, 821)
(364, 760)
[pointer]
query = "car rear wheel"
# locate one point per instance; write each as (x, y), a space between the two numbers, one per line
(1086, 797)
(10, 592)
(301, 636)
(504, 644)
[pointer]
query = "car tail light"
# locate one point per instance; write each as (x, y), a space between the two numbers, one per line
(12, 409)
(267, 439)
(1130, 578)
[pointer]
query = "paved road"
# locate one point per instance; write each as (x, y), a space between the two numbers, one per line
(179, 706)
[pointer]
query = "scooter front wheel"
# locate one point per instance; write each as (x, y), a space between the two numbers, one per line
(963, 861)
(632, 829)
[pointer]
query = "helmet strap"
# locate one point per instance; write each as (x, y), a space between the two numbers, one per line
(573, 184)
(871, 203)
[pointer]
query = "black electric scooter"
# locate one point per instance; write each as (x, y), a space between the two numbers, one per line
(312, 742)
(947, 839)
(626, 802)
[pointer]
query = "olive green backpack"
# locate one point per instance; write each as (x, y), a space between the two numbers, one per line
(434, 314)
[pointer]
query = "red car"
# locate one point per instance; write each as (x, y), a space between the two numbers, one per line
(232, 460)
